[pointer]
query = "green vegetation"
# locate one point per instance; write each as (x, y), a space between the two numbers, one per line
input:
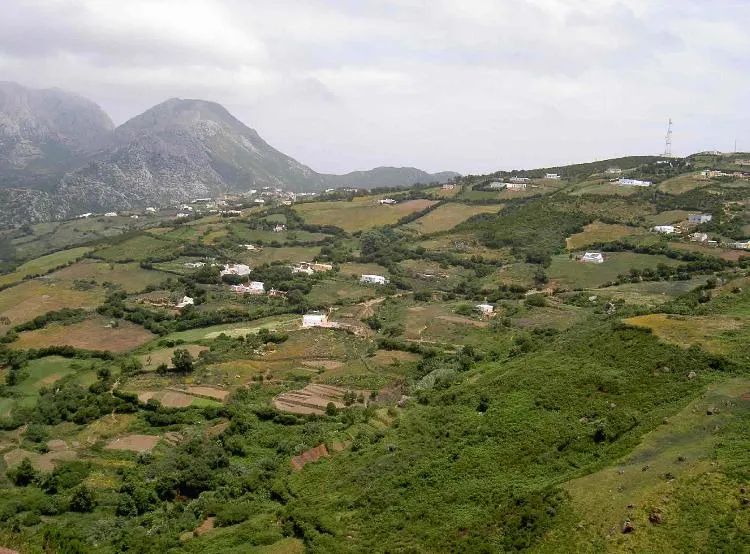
(590, 395)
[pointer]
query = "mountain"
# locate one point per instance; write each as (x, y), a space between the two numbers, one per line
(388, 177)
(181, 149)
(46, 132)
(60, 155)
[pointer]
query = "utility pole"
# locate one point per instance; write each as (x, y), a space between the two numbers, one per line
(668, 140)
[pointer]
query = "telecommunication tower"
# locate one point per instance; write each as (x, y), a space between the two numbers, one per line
(668, 140)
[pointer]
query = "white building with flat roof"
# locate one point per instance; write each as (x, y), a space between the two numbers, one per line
(593, 258)
(235, 269)
(666, 229)
(374, 280)
(633, 182)
(314, 319)
(485, 309)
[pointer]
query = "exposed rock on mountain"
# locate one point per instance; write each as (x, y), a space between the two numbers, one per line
(45, 132)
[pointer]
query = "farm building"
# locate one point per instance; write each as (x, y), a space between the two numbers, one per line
(110, 214)
(515, 186)
(741, 245)
(254, 287)
(235, 269)
(303, 267)
(593, 258)
(699, 237)
(186, 301)
(322, 267)
(553, 176)
(387, 201)
(193, 265)
(314, 319)
(697, 219)
(250, 247)
(373, 280)
(485, 309)
(280, 228)
(449, 186)
(519, 180)
(666, 229)
(633, 182)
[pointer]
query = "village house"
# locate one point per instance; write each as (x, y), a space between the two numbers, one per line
(84, 216)
(387, 201)
(713, 243)
(314, 319)
(592, 258)
(740, 245)
(485, 309)
(279, 228)
(374, 280)
(519, 180)
(193, 265)
(303, 267)
(515, 186)
(186, 301)
(699, 237)
(134, 216)
(712, 173)
(110, 214)
(633, 182)
(182, 215)
(614, 171)
(251, 247)
(553, 176)
(496, 185)
(666, 229)
(150, 210)
(254, 287)
(697, 219)
(321, 267)
(277, 292)
(235, 269)
(449, 186)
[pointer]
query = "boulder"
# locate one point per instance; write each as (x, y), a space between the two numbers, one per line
(627, 527)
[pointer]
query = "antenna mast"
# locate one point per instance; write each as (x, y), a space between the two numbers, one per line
(668, 141)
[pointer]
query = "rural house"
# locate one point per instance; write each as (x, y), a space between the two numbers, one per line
(186, 301)
(593, 258)
(374, 280)
(485, 309)
(110, 214)
(254, 287)
(303, 267)
(519, 180)
(235, 269)
(496, 185)
(633, 182)
(515, 186)
(387, 201)
(553, 176)
(697, 219)
(314, 319)
(449, 186)
(666, 229)
(193, 265)
(280, 228)
(699, 237)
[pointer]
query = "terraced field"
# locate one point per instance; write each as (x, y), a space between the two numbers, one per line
(362, 213)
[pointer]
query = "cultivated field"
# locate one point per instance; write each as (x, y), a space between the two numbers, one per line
(140, 247)
(447, 216)
(571, 273)
(130, 276)
(683, 183)
(361, 213)
(668, 217)
(685, 331)
(92, 334)
(43, 264)
(601, 232)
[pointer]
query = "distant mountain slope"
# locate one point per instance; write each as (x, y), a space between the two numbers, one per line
(178, 150)
(387, 177)
(45, 132)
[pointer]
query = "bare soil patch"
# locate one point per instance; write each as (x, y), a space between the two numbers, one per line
(171, 399)
(209, 392)
(93, 334)
(312, 455)
(464, 320)
(327, 364)
(136, 443)
(312, 399)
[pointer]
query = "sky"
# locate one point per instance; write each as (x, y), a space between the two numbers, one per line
(472, 86)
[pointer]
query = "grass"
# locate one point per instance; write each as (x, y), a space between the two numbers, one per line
(259, 236)
(723, 253)
(601, 232)
(130, 276)
(649, 293)
(358, 269)
(245, 327)
(332, 291)
(39, 296)
(447, 216)
(290, 255)
(668, 217)
(92, 334)
(571, 273)
(43, 264)
(684, 330)
(361, 213)
(138, 248)
(44, 372)
(682, 183)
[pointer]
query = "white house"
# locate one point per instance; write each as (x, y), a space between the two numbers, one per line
(314, 319)
(742, 245)
(110, 214)
(387, 201)
(254, 287)
(280, 228)
(593, 258)
(374, 280)
(515, 186)
(633, 182)
(186, 301)
(182, 215)
(666, 229)
(151, 210)
(193, 265)
(485, 309)
(85, 216)
(699, 237)
(553, 176)
(697, 219)
(449, 186)
(235, 269)
(519, 180)
(134, 216)
(303, 267)
(249, 247)
(322, 267)
(499, 185)
(614, 171)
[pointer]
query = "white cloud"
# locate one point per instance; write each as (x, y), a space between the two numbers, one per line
(471, 85)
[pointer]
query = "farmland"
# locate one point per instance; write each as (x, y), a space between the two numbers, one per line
(447, 216)
(410, 421)
(361, 213)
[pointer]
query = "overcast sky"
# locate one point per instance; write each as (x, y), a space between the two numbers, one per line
(466, 85)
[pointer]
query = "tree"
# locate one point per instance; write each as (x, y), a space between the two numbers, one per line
(331, 409)
(23, 475)
(83, 500)
(130, 365)
(182, 361)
